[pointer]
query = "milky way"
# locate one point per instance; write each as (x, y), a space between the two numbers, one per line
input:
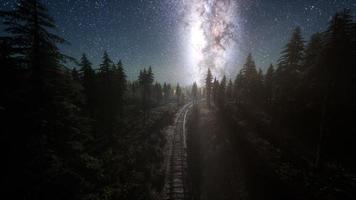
(180, 39)
(212, 32)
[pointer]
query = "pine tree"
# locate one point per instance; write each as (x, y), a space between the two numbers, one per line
(158, 92)
(292, 54)
(269, 84)
(195, 93)
(36, 49)
(150, 80)
(229, 90)
(260, 89)
(106, 100)
(312, 52)
(215, 90)
(166, 92)
(75, 75)
(121, 85)
(142, 79)
(288, 72)
(169, 90)
(222, 92)
(178, 93)
(208, 86)
(106, 65)
(308, 90)
(146, 79)
(86, 71)
(87, 77)
(54, 135)
(34, 45)
(249, 82)
(150, 76)
(336, 80)
(238, 87)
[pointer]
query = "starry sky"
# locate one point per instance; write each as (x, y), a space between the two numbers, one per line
(154, 32)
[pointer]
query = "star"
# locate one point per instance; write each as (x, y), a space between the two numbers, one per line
(151, 32)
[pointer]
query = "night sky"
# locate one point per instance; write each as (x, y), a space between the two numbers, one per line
(156, 32)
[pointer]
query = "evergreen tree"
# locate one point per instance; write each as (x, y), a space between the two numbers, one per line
(106, 65)
(158, 93)
(260, 89)
(249, 83)
(150, 80)
(312, 52)
(146, 79)
(308, 91)
(336, 80)
(269, 84)
(75, 75)
(87, 77)
(288, 72)
(292, 54)
(238, 87)
(106, 108)
(166, 92)
(215, 91)
(221, 93)
(150, 75)
(208, 86)
(195, 93)
(178, 94)
(29, 25)
(142, 79)
(86, 72)
(169, 90)
(54, 136)
(36, 48)
(229, 90)
(121, 85)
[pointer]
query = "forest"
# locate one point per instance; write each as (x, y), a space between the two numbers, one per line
(74, 130)
(71, 130)
(300, 111)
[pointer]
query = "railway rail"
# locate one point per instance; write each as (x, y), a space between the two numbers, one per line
(175, 187)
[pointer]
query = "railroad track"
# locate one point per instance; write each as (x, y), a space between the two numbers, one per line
(175, 187)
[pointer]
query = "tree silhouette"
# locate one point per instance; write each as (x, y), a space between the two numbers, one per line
(336, 80)
(178, 94)
(215, 90)
(287, 73)
(269, 84)
(238, 87)
(249, 80)
(146, 78)
(208, 86)
(158, 92)
(49, 108)
(88, 80)
(221, 92)
(195, 93)
(120, 85)
(167, 91)
(229, 90)
(105, 91)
